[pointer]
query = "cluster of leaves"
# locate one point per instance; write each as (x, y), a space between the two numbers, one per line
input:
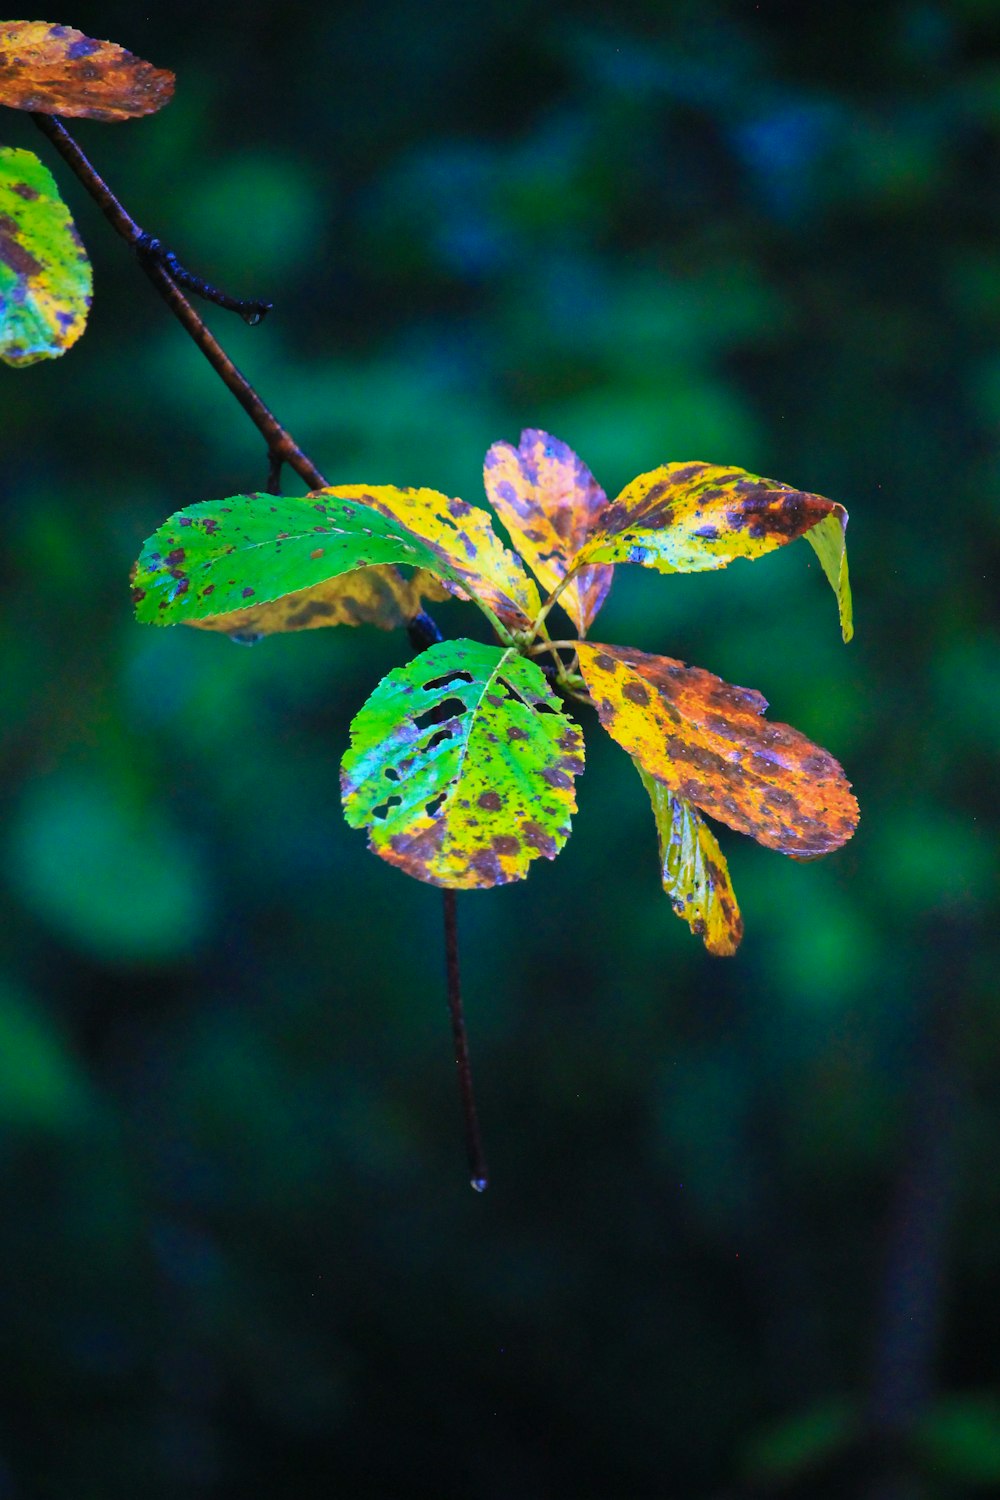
(45, 274)
(462, 763)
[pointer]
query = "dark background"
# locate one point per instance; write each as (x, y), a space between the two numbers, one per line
(743, 1235)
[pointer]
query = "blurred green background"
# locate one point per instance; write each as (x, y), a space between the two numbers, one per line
(743, 1236)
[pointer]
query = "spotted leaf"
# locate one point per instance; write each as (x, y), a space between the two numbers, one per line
(550, 502)
(694, 870)
(461, 767)
(689, 517)
(367, 596)
(45, 276)
(707, 742)
(55, 70)
(469, 555)
(253, 564)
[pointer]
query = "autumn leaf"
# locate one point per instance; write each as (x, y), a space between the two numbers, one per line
(470, 557)
(461, 767)
(253, 564)
(379, 596)
(45, 276)
(689, 517)
(55, 70)
(550, 502)
(694, 870)
(707, 741)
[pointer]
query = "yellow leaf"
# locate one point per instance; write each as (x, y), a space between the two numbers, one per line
(463, 538)
(694, 870)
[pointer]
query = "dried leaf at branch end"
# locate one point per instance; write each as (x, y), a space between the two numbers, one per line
(54, 70)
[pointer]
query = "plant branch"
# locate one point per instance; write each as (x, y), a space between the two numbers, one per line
(164, 271)
(280, 444)
(479, 1173)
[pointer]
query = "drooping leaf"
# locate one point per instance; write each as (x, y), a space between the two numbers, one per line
(707, 741)
(689, 517)
(45, 276)
(470, 557)
(550, 502)
(461, 767)
(368, 596)
(829, 544)
(239, 554)
(55, 70)
(694, 870)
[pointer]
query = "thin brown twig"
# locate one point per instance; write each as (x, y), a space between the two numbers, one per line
(282, 449)
(280, 443)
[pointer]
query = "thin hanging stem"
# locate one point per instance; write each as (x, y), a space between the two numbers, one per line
(164, 272)
(478, 1170)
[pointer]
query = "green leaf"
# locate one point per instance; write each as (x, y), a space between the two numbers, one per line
(829, 544)
(694, 870)
(45, 276)
(691, 517)
(461, 767)
(221, 556)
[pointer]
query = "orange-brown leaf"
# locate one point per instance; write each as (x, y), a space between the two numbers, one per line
(55, 70)
(550, 502)
(708, 742)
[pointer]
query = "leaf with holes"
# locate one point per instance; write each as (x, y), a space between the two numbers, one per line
(239, 554)
(689, 517)
(694, 870)
(55, 70)
(550, 503)
(461, 767)
(706, 741)
(45, 276)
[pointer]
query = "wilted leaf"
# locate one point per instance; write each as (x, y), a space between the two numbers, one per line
(55, 70)
(694, 870)
(707, 741)
(550, 502)
(461, 767)
(689, 517)
(220, 557)
(45, 276)
(469, 554)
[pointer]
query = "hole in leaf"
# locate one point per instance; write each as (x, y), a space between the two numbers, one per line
(446, 681)
(510, 692)
(449, 709)
(383, 811)
(434, 805)
(435, 740)
(391, 774)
